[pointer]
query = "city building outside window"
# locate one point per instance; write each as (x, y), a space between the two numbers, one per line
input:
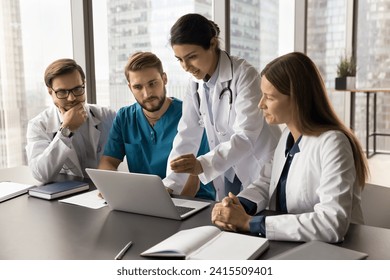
(327, 41)
(125, 27)
(32, 34)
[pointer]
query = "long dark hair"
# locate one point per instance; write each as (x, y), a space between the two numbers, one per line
(296, 75)
(194, 29)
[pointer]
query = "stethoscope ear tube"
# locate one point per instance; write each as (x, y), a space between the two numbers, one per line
(195, 86)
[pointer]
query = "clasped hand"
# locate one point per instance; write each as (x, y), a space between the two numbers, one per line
(230, 215)
(186, 164)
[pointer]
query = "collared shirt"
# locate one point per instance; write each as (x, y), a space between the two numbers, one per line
(147, 147)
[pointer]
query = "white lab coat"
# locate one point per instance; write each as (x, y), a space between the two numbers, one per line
(322, 193)
(240, 140)
(50, 153)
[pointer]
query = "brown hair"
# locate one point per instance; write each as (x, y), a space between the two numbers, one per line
(296, 75)
(61, 67)
(142, 60)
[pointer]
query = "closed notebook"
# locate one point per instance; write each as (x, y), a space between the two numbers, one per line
(58, 189)
(11, 189)
(317, 250)
(209, 243)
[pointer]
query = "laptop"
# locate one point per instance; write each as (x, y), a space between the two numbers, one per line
(317, 250)
(141, 194)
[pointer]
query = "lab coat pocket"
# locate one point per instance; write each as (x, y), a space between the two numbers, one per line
(303, 194)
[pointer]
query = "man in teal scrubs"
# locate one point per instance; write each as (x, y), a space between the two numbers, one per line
(144, 131)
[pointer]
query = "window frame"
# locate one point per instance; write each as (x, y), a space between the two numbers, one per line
(83, 44)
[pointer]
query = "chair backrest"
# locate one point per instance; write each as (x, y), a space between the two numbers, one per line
(376, 205)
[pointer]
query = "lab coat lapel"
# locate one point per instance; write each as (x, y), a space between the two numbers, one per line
(277, 168)
(53, 124)
(224, 76)
(73, 164)
(225, 69)
(94, 135)
(94, 132)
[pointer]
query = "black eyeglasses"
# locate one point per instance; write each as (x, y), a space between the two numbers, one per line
(64, 93)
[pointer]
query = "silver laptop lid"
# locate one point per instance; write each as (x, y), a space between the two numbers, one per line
(139, 193)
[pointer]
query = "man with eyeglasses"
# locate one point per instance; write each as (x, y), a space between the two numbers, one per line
(69, 136)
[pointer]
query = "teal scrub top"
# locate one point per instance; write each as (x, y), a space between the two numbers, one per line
(147, 148)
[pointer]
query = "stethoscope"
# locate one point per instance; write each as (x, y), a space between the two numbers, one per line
(225, 91)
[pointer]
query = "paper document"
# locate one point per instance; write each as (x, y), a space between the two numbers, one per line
(88, 199)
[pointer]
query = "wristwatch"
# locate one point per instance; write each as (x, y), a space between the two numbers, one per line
(65, 131)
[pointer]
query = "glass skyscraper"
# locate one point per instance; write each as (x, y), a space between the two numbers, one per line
(13, 119)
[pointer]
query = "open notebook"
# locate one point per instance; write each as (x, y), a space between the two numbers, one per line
(141, 194)
(209, 243)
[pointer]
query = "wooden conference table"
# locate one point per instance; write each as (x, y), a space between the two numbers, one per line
(32, 228)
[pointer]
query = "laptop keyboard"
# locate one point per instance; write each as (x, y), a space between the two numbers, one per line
(182, 210)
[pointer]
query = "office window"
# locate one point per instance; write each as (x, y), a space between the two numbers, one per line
(327, 35)
(261, 30)
(32, 34)
(124, 27)
(327, 42)
(329, 38)
(373, 61)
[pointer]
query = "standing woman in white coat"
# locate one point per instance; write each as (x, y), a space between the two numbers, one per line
(319, 167)
(221, 99)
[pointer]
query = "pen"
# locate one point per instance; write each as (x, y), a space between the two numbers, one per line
(123, 251)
